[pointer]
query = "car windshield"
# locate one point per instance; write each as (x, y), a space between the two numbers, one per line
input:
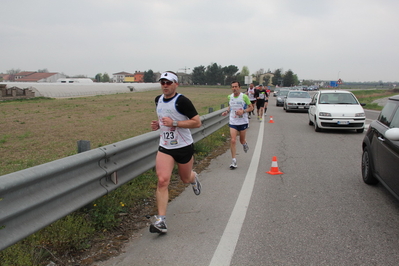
(298, 94)
(337, 98)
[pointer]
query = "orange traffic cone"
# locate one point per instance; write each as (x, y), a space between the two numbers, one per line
(271, 119)
(274, 169)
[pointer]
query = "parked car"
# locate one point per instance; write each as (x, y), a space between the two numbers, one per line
(336, 109)
(380, 159)
(280, 97)
(297, 100)
(276, 90)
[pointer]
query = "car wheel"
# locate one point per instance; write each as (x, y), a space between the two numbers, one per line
(367, 168)
(316, 126)
(360, 130)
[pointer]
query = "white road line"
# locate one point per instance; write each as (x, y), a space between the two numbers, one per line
(227, 244)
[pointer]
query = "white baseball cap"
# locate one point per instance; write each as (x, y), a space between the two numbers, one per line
(169, 76)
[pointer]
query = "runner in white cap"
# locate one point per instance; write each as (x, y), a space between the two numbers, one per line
(176, 115)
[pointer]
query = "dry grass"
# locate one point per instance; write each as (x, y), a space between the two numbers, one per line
(37, 131)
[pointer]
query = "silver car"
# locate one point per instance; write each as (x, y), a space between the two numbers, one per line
(297, 100)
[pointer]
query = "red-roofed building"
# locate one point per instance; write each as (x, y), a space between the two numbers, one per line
(4, 77)
(41, 77)
(22, 74)
(30, 76)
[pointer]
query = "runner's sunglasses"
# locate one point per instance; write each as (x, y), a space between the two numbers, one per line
(166, 82)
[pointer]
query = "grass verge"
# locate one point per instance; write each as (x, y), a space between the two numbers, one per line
(368, 96)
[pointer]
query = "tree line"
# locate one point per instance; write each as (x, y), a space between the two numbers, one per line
(215, 74)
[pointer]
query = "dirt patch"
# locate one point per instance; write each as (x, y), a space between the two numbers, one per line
(110, 244)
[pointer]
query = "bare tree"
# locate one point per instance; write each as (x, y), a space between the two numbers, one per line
(13, 71)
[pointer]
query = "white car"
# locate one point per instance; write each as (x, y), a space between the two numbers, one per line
(336, 109)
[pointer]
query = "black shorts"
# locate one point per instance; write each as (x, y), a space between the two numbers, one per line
(260, 104)
(180, 155)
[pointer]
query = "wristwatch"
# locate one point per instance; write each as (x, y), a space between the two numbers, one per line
(174, 123)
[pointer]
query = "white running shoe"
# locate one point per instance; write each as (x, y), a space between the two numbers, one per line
(158, 226)
(233, 164)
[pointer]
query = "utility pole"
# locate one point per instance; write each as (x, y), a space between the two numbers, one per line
(185, 69)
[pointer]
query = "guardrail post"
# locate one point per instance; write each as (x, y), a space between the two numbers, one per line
(222, 106)
(210, 110)
(83, 145)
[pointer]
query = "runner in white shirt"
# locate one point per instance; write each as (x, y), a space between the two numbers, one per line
(251, 95)
(176, 115)
(239, 107)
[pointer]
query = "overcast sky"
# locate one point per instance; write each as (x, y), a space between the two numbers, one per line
(355, 40)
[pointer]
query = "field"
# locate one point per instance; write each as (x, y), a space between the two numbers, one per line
(40, 130)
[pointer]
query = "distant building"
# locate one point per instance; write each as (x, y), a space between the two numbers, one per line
(129, 78)
(125, 77)
(4, 77)
(22, 75)
(15, 93)
(266, 76)
(138, 76)
(184, 78)
(28, 76)
(120, 77)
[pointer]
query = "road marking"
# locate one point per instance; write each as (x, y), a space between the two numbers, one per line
(227, 244)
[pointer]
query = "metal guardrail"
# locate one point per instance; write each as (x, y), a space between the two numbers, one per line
(33, 198)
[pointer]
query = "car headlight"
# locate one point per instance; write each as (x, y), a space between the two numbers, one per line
(324, 114)
(359, 115)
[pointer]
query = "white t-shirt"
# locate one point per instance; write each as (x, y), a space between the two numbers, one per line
(238, 103)
(172, 137)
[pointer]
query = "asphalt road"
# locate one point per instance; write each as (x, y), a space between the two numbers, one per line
(318, 212)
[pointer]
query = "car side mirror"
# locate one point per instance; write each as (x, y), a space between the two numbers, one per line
(363, 104)
(312, 103)
(392, 134)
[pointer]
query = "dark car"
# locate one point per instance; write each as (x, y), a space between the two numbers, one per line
(380, 159)
(280, 97)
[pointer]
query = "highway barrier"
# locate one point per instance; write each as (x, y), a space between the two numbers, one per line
(33, 198)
